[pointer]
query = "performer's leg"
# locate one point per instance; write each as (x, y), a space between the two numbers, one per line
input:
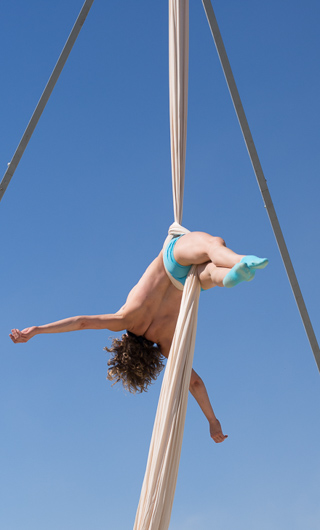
(198, 247)
(212, 276)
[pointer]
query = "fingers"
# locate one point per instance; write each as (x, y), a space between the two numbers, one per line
(219, 437)
(15, 336)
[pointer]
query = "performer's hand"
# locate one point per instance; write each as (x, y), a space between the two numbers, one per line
(22, 336)
(216, 432)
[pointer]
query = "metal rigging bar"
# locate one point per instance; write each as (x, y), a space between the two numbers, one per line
(261, 179)
(45, 96)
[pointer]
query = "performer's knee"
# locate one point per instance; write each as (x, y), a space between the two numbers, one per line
(218, 241)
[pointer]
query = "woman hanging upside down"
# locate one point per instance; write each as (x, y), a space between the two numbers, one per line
(151, 311)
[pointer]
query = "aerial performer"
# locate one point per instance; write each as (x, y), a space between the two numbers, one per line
(151, 310)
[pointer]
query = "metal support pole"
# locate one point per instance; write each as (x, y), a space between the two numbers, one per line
(262, 183)
(45, 96)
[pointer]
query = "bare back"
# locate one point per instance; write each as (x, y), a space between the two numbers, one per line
(152, 306)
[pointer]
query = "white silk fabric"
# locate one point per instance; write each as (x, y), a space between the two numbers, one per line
(175, 230)
(156, 499)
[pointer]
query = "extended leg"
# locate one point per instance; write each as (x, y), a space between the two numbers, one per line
(198, 247)
(221, 265)
(211, 276)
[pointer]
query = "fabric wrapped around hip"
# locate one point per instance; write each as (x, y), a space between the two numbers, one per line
(175, 230)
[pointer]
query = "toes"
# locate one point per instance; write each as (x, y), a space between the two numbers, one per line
(254, 262)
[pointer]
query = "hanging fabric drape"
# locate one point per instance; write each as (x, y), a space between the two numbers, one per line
(178, 91)
(160, 478)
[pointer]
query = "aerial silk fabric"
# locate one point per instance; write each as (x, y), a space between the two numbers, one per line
(156, 499)
(178, 92)
(175, 230)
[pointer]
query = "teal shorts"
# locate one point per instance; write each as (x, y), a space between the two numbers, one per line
(179, 272)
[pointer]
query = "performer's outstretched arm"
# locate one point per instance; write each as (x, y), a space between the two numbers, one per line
(199, 392)
(113, 322)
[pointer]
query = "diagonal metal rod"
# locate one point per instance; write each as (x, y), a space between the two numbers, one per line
(261, 179)
(45, 96)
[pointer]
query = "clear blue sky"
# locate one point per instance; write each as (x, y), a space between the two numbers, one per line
(87, 210)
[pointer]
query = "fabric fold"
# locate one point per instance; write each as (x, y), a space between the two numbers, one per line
(157, 494)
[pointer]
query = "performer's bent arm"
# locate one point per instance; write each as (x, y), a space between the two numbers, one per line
(115, 322)
(199, 392)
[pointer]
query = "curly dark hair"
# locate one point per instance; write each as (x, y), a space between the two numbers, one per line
(135, 361)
